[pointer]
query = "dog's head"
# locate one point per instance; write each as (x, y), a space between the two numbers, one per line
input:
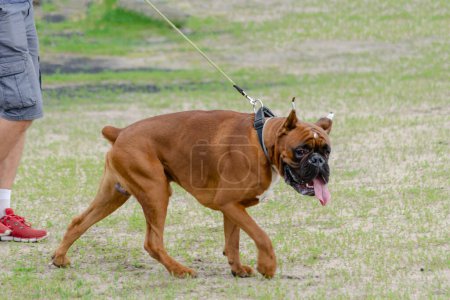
(303, 150)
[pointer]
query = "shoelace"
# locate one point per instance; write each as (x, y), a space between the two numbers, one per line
(16, 218)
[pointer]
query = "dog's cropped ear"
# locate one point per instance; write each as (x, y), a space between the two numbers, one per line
(291, 121)
(326, 123)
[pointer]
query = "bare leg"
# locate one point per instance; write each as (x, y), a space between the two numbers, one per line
(12, 135)
(232, 235)
(266, 256)
(106, 202)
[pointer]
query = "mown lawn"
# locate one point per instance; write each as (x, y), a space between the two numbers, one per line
(381, 67)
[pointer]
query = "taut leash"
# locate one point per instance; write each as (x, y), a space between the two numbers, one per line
(252, 101)
(260, 114)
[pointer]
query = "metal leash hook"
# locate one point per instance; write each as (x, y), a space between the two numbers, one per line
(252, 101)
(255, 105)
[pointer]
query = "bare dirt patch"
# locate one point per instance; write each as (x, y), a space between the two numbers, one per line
(64, 10)
(245, 10)
(65, 64)
(71, 91)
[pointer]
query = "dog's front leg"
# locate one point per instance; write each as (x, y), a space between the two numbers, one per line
(237, 214)
(232, 234)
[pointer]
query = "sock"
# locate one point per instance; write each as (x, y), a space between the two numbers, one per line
(5, 201)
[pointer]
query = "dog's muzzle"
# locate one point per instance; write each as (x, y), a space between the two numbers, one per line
(310, 178)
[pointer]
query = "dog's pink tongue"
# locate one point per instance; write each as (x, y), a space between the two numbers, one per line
(321, 191)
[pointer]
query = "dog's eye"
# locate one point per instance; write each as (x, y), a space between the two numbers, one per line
(301, 151)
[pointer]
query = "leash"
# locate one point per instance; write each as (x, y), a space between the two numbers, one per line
(260, 114)
(253, 102)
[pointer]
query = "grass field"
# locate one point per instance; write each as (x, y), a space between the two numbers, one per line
(381, 66)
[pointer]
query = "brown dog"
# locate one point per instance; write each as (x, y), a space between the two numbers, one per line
(216, 157)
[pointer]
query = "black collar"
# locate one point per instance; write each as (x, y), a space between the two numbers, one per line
(260, 118)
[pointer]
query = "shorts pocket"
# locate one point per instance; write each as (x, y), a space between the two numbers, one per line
(15, 86)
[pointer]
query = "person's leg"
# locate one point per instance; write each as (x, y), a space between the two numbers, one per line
(8, 166)
(14, 228)
(20, 103)
(12, 133)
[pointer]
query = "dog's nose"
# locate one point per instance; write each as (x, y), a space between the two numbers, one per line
(317, 160)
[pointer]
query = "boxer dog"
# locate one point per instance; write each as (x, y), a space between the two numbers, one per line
(216, 157)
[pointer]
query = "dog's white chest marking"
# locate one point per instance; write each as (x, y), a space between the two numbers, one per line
(269, 192)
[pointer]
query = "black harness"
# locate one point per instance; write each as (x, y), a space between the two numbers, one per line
(260, 118)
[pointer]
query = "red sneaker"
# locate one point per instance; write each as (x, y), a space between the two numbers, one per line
(21, 229)
(4, 230)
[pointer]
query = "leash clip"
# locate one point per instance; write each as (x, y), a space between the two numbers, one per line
(252, 101)
(255, 102)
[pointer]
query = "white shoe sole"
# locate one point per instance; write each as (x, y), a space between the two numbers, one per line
(15, 239)
(6, 233)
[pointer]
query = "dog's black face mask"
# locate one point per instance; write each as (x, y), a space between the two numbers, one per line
(309, 171)
(304, 150)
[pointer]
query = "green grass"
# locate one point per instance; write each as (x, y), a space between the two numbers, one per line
(105, 29)
(380, 66)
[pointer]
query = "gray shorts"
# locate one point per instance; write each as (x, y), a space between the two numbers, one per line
(20, 88)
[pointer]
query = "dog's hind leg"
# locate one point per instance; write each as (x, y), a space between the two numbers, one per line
(232, 235)
(143, 174)
(107, 200)
(154, 201)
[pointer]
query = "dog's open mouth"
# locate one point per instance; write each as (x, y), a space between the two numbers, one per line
(316, 187)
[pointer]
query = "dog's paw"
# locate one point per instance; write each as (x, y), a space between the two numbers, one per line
(183, 272)
(268, 271)
(243, 271)
(60, 261)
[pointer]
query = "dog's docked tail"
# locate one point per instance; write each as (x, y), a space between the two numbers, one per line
(111, 133)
